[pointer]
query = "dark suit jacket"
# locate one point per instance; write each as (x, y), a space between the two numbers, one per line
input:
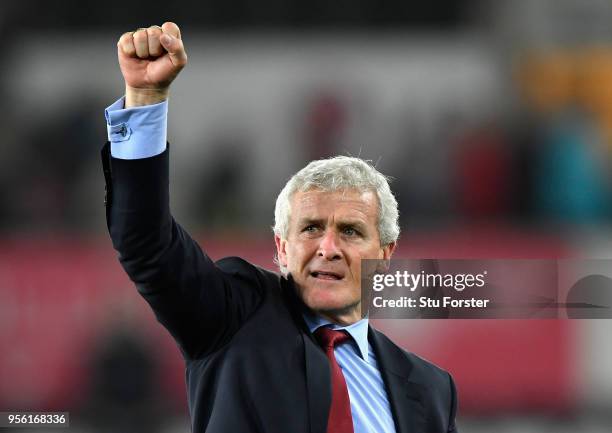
(252, 364)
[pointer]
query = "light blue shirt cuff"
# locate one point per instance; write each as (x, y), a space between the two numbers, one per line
(137, 132)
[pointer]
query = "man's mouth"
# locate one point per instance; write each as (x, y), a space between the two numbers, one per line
(325, 275)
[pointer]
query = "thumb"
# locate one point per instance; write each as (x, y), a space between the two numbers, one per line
(175, 49)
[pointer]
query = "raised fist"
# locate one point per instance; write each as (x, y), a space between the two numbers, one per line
(150, 59)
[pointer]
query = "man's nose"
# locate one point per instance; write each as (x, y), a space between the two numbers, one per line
(329, 247)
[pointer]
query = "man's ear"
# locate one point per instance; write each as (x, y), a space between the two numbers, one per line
(388, 250)
(382, 264)
(281, 250)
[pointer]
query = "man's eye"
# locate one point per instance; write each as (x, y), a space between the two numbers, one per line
(310, 229)
(349, 231)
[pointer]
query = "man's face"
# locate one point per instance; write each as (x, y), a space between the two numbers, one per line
(329, 233)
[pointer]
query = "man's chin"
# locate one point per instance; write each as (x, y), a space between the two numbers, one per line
(333, 300)
(335, 310)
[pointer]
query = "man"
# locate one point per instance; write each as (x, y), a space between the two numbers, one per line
(287, 353)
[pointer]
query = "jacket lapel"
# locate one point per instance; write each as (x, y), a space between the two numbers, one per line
(405, 397)
(318, 383)
(318, 375)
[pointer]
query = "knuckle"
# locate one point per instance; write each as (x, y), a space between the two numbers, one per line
(140, 34)
(128, 48)
(154, 30)
(126, 37)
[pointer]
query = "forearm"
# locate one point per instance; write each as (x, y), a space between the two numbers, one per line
(139, 219)
(137, 181)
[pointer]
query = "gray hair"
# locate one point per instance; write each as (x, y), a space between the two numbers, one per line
(338, 173)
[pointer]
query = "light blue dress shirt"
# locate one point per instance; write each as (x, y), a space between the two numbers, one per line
(369, 403)
(140, 132)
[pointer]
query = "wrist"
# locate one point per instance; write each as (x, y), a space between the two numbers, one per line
(135, 97)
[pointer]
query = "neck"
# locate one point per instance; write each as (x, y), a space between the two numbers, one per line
(342, 317)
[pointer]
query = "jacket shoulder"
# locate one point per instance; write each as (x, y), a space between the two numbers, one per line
(248, 273)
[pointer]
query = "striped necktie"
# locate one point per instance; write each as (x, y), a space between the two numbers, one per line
(340, 419)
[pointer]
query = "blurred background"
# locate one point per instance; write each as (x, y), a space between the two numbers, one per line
(493, 118)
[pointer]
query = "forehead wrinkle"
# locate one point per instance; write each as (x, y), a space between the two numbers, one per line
(363, 207)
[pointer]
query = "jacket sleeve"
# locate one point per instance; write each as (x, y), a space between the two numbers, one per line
(201, 305)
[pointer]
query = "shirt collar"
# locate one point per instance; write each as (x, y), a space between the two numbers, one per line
(357, 330)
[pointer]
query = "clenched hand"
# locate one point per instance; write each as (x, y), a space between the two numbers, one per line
(150, 59)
